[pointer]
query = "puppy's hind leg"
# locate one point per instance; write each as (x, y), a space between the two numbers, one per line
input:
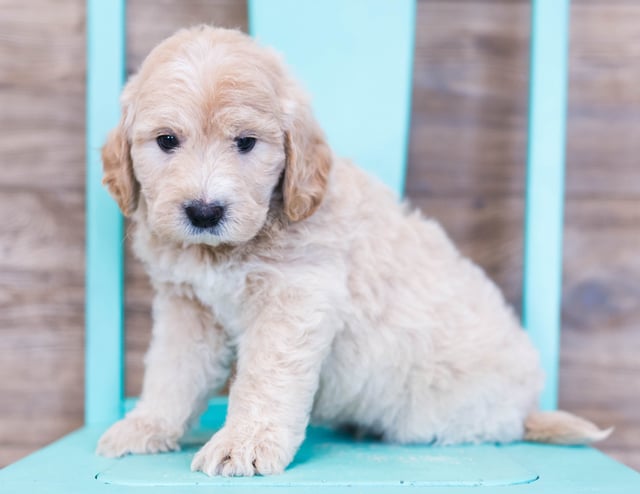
(187, 359)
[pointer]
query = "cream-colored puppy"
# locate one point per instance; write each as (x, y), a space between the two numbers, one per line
(337, 303)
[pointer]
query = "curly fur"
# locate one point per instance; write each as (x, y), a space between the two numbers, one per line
(338, 304)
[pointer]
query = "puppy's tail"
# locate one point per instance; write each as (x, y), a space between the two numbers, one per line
(560, 427)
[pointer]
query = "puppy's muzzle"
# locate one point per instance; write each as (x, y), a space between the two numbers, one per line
(204, 215)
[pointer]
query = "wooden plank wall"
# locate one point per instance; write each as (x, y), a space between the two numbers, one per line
(466, 168)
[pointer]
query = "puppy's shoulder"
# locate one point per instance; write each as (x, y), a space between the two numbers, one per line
(353, 193)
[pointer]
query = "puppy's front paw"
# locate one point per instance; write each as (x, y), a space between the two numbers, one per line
(233, 453)
(139, 434)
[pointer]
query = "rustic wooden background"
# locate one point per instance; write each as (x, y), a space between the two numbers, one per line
(466, 168)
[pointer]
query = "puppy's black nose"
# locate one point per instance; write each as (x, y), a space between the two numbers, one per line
(204, 215)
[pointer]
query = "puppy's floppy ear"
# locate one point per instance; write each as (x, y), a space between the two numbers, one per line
(117, 167)
(308, 162)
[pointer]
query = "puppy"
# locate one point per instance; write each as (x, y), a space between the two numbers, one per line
(338, 304)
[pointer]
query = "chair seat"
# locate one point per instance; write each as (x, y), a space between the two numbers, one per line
(327, 460)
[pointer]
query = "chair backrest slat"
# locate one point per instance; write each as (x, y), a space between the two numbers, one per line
(355, 58)
(542, 290)
(104, 245)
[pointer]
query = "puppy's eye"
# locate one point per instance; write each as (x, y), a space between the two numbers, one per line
(245, 144)
(167, 142)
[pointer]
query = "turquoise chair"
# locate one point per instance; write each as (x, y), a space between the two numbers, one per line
(375, 65)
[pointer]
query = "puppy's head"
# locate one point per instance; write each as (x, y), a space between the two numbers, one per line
(209, 126)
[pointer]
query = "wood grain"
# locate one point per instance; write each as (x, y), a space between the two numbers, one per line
(600, 370)
(470, 99)
(41, 317)
(42, 94)
(466, 169)
(150, 21)
(41, 223)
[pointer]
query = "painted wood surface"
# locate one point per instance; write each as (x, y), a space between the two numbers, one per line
(466, 168)
(68, 466)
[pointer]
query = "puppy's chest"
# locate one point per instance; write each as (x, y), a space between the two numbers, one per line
(218, 286)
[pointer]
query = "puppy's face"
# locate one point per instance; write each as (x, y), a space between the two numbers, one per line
(210, 124)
